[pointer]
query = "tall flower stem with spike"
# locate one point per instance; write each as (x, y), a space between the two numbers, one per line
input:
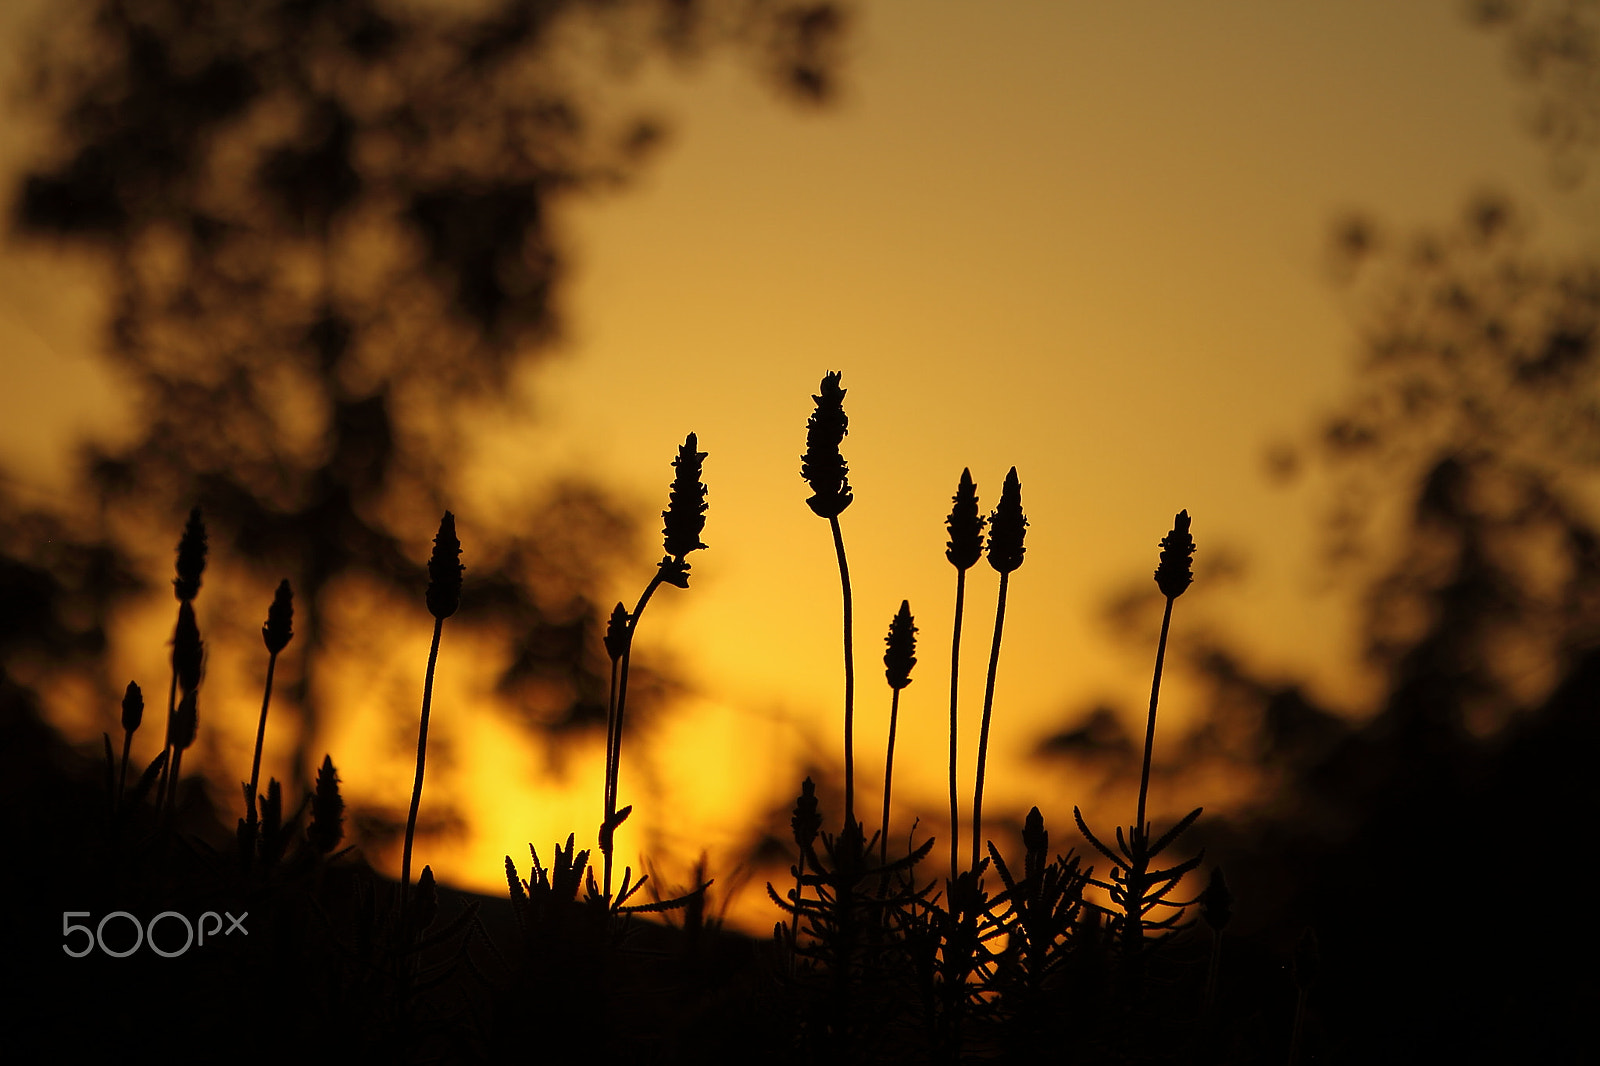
(1006, 528)
(188, 655)
(1172, 577)
(276, 634)
(898, 659)
(683, 522)
(191, 566)
(444, 596)
(964, 549)
(824, 469)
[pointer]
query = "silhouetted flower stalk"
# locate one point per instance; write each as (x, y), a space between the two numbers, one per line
(276, 633)
(1135, 888)
(444, 596)
(1172, 577)
(683, 522)
(185, 723)
(132, 716)
(616, 642)
(964, 548)
(188, 655)
(1216, 908)
(1006, 529)
(824, 469)
(327, 810)
(1043, 907)
(191, 565)
(898, 660)
(806, 822)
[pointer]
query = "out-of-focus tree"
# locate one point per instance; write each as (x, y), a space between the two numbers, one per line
(331, 233)
(1473, 433)
(1553, 48)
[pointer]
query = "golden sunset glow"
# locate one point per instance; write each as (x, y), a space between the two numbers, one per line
(1084, 240)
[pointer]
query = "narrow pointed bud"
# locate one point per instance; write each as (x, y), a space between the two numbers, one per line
(1006, 527)
(327, 810)
(272, 813)
(444, 570)
(807, 821)
(1036, 841)
(186, 720)
(1173, 575)
(427, 899)
(685, 514)
(191, 558)
(279, 627)
(617, 632)
(1216, 902)
(132, 708)
(188, 651)
(965, 525)
(901, 655)
(822, 466)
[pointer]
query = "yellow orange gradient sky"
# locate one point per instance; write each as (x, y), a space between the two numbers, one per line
(1079, 238)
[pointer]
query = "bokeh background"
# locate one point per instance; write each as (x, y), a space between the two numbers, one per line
(1143, 253)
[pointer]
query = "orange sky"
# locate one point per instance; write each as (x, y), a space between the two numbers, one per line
(1081, 239)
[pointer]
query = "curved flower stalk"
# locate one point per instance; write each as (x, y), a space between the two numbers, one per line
(683, 522)
(824, 469)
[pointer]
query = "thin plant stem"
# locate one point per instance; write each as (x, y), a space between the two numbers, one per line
(849, 679)
(799, 893)
(955, 675)
(614, 757)
(422, 762)
(988, 707)
(1150, 727)
(1213, 971)
(611, 734)
(166, 743)
(172, 791)
(1299, 1027)
(888, 776)
(122, 778)
(261, 735)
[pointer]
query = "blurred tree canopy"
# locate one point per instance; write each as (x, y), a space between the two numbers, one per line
(330, 233)
(1553, 47)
